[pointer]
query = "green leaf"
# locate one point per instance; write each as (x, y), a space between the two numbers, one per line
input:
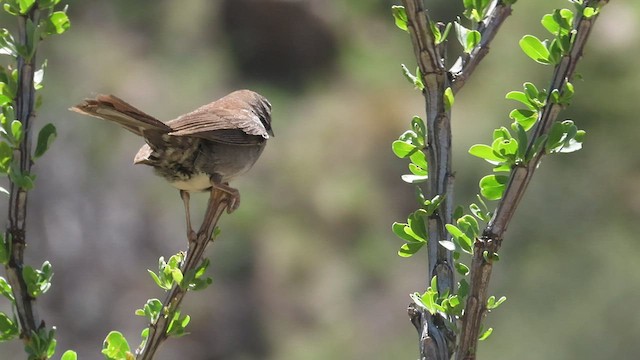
(5, 290)
(521, 97)
(38, 281)
(416, 222)
(400, 16)
(6, 156)
(116, 347)
(46, 136)
(419, 159)
(461, 239)
(485, 334)
(69, 355)
(403, 231)
(439, 36)
(462, 269)
(526, 118)
(550, 24)
(535, 49)
(416, 170)
(448, 98)
(492, 186)
(8, 328)
(472, 40)
(507, 148)
(416, 80)
(523, 141)
(16, 131)
(486, 152)
(589, 12)
(402, 149)
(25, 5)
(59, 22)
(493, 304)
(7, 43)
(469, 226)
(408, 249)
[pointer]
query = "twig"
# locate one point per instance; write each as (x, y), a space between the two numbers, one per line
(218, 202)
(491, 239)
(466, 64)
(24, 102)
(437, 341)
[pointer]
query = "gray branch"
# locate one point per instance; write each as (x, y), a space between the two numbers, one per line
(218, 202)
(24, 107)
(491, 239)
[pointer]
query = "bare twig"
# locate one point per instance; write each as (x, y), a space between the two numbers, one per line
(24, 107)
(491, 239)
(218, 202)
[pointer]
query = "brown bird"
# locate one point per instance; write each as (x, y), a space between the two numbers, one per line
(200, 150)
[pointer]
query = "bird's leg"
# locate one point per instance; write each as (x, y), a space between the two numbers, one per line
(233, 195)
(191, 235)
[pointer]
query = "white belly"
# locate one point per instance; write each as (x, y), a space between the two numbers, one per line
(198, 182)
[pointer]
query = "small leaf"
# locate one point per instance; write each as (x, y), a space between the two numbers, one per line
(462, 240)
(115, 346)
(461, 268)
(400, 16)
(46, 136)
(8, 328)
(521, 97)
(69, 355)
(589, 12)
(402, 149)
(419, 159)
(526, 118)
(535, 49)
(492, 186)
(486, 334)
(472, 40)
(25, 5)
(486, 152)
(59, 21)
(448, 98)
(408, 249)
(16, 131)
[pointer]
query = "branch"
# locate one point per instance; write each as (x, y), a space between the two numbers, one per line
(434, 344)
(24, 103)
(466, 64)
(218, 202)
(490, 241)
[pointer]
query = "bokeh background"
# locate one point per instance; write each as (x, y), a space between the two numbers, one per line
(307, 267)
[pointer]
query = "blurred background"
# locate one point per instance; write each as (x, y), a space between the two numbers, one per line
(307, 267)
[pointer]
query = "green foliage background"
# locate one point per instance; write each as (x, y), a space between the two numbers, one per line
(307, 267)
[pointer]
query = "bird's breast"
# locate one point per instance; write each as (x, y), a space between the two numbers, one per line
(197, 182)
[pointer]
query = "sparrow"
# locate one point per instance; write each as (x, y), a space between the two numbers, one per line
(198, 151)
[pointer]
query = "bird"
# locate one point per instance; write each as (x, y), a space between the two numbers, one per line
(200, 150)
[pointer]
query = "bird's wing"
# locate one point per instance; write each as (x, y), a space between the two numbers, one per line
(232, 124)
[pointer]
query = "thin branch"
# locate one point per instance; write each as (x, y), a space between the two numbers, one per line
(24, 107)
(490, 241)
(466, 64)
(218, 202)
(434, 344)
